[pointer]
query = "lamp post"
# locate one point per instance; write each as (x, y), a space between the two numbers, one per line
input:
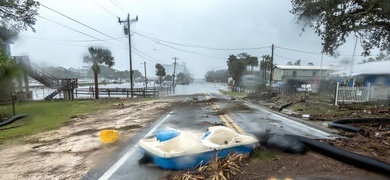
(127, 32)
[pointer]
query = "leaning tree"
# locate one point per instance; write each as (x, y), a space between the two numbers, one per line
(160, 72)
(98, 56)
(335, 20)
(18, 15)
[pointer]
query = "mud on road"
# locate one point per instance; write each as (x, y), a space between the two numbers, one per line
(70, 151)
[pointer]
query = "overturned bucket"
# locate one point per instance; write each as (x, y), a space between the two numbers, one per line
(109, 136)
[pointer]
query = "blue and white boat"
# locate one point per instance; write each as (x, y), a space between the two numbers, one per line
(175, 149)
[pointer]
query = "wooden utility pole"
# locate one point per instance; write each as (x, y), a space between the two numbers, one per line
(174, 73)
(127, 32)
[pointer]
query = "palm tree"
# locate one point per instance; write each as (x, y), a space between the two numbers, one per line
(265, 65)
(98, 56)
(297, 63)
(160, 72)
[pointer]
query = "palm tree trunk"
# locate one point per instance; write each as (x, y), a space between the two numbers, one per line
(95, 74)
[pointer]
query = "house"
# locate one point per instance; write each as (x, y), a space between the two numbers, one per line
(301, 73)
(373, 74)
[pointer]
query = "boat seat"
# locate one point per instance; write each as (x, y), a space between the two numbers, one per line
(221, 138)
(174, 145)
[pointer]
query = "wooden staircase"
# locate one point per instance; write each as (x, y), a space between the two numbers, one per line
(59, 84)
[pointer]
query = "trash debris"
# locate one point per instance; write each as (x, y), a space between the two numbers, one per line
(284, 106)
(305, 116)
(109, 136)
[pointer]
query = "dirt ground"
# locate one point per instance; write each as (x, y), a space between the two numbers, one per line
(309, 166)
(70, 151)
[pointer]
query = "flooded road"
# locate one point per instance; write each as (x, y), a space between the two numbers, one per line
(198, 115)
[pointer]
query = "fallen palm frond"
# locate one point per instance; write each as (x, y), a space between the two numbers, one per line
(216, 169)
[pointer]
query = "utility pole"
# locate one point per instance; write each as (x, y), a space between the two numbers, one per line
(174, 74)
(127, 22)
(272, 68)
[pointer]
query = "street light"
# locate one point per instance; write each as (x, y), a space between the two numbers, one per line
(127, 32)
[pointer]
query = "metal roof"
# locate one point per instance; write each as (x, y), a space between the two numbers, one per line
(286, 67)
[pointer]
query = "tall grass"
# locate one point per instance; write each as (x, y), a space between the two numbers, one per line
(45, 115)
(233, 94)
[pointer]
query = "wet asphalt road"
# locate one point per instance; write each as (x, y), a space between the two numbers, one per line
(198, 115)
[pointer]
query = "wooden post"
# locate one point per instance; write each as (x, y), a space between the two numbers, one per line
(337, 93)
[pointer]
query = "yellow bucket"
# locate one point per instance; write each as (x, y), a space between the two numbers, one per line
(109, 136)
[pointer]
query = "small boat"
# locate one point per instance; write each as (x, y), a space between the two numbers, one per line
(175, 149)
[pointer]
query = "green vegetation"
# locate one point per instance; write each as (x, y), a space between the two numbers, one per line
(234, 94)
(263, 155)
(44, 115)
(237, 65)
(217, 76)
(334, 21)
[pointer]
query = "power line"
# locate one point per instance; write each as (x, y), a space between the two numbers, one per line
(150, 60)
(68, 40)
(105, 9)
(146, 54)
(74, 30)
(115, 3)
(154, 48)
(80, 23)
(200, 46)
(192, 52)
(120, 3)
(307, 52)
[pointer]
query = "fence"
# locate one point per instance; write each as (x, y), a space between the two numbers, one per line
(117, 92)
(345, 94)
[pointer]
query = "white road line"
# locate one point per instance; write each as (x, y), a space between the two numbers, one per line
(119, 163)
(314, 129)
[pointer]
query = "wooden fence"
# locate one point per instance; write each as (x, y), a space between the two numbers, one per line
(120, 92)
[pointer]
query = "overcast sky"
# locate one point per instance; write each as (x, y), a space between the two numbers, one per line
(172, 28)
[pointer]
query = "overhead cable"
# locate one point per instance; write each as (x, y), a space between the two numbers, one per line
(199, 46)
(80, 23)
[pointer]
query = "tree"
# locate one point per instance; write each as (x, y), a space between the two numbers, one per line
(18, 15)
(381, 57)
(265, 65)
(335, 20)
(249, 60)
(168, 78)
(98, 56)
(310, 64)
(218, 76)
(290, 63)
(297, 63)
(7, 70)
(7, 34)
(181, 77)
(236, 68)
(160, 72)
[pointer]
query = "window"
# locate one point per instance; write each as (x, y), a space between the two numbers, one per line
(314, 73)
(294, 74)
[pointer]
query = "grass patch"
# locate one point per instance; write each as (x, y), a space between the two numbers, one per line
(46, 115)
(234, 108)
(263, 155)
(233, 94)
